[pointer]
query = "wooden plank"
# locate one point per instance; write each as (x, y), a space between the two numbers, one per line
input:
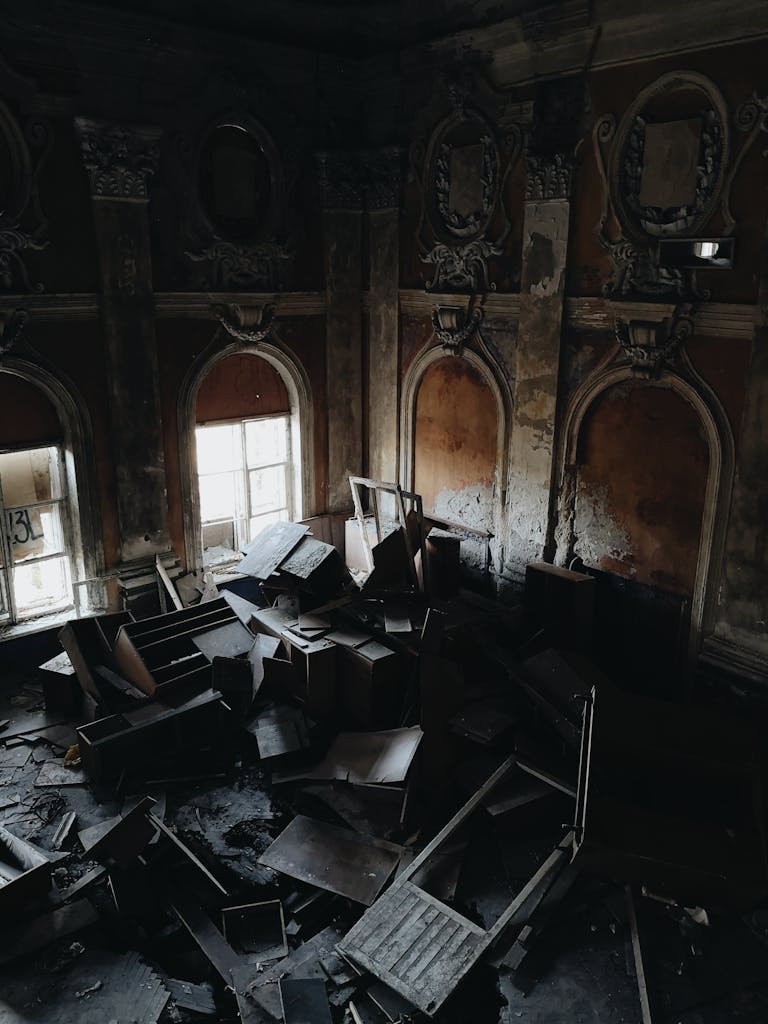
(210, 940)
(266, 551)
(332, 858)
(637, 951)
(166, 581)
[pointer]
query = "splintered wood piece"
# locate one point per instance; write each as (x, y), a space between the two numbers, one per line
(304, 1000)
(422, 948)
(333, 858)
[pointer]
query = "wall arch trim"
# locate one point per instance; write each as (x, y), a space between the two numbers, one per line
(685, 382)
(293, 375)
(493, 376)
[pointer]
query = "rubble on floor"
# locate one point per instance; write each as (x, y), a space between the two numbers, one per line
(371, 796)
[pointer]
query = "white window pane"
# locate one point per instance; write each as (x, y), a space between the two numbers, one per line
(266, 440)
(42, 586)
(257, 524)
(219, 543)
(219, 448)
(30, 476)
(35, 532)
(218, 496)
(267, 489)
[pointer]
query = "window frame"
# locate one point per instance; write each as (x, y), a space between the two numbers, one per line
(9, 615)
(241, 523)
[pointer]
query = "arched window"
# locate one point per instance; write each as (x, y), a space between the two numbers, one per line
(244, 454)
(245, 419)
(51, 560)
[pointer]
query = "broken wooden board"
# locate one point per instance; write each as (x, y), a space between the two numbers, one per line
(122, 837)
(266, 551)
(262, 987)
(421, 947)
(333, 858)
(208, 937)
(304, 1000)
(372, 810)
(366, 757)
(198, 998)
(232, 640)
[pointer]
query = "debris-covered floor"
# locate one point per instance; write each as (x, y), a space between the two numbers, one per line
(362, 804)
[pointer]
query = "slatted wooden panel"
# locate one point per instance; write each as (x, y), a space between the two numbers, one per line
(416, 945)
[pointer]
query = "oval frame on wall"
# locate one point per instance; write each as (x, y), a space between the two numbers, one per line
(467, 127)
(267, 223)
(626, 163)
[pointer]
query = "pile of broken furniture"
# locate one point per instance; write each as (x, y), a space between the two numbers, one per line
(313, 797)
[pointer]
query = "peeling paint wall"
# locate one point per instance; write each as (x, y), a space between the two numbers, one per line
(455, 446)
(643, 465)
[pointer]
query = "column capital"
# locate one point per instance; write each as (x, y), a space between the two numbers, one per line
(120, 159)
(549, 175)
(340, 179)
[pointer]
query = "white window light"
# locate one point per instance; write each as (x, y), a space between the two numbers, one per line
(245, 481)
(36, 546)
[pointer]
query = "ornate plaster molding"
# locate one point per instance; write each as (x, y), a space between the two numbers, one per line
(650, 344)
(249, 324)
(236, 265)
(550, 176)
(120, 159)
(453, 327)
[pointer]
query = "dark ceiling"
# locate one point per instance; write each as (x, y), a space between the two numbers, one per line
(347, 27)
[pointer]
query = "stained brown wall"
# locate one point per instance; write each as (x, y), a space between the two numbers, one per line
(239, 386)
(26, 415)
(456, 431)
(643, 464)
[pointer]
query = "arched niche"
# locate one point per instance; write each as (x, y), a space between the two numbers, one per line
(205, 390)
(54, 412)
(455, 416)
(705, 466)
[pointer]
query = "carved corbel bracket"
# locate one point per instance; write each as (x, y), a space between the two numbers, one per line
(453, 328)
(649, 345)
(249, 324)
(12, 324)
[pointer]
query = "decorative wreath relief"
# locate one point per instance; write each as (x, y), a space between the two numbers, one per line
(466, 180)
(704, 170)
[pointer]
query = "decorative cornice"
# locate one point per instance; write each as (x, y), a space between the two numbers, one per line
(200, 305)
(550, 176)
(414, 302)
(120, 159)
(711, 319)
(245, 265)
(42, 308)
